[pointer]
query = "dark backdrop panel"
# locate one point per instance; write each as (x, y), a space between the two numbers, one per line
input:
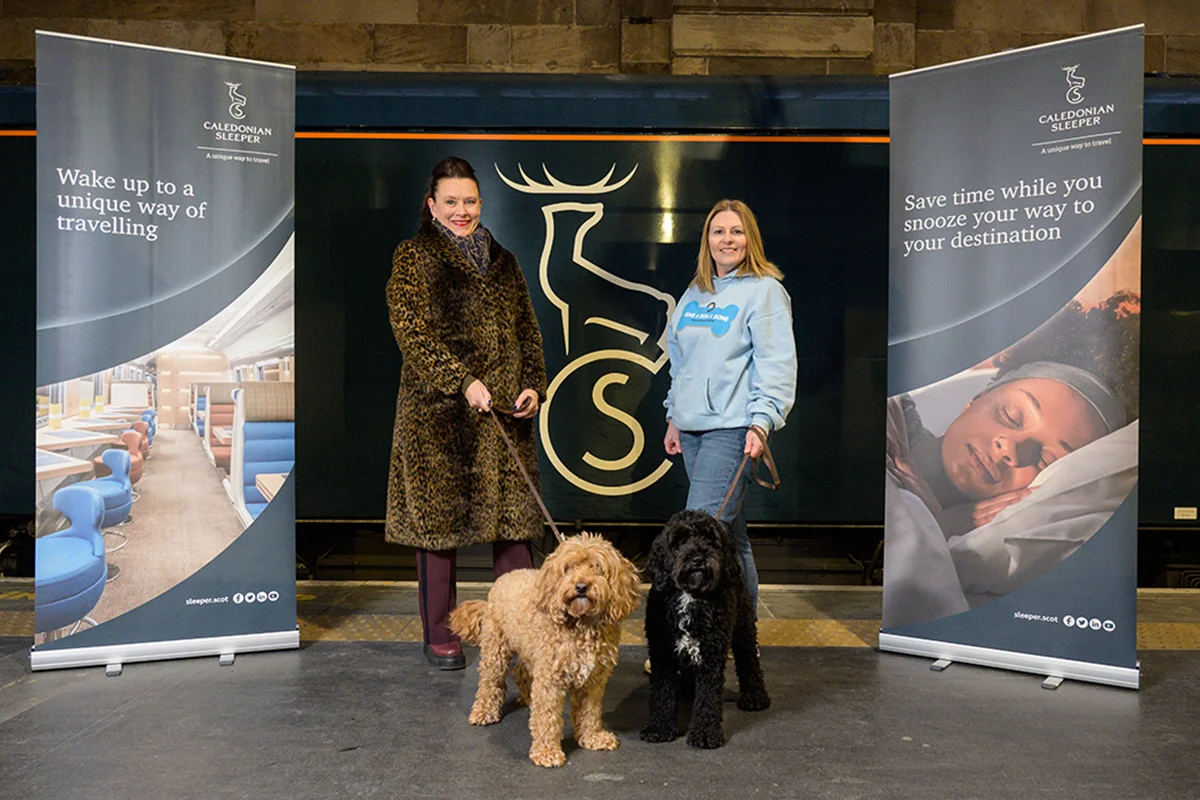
(18, 317)
(1170, 399)
(822, 212)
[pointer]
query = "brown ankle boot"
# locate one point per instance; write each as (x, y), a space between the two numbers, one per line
(445, 656)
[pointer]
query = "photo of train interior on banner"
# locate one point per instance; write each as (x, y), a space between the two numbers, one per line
(186, 445)
(604, 399)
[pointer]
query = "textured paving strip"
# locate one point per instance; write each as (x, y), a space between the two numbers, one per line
(789, 616)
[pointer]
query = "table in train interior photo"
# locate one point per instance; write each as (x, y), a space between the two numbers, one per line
(64, 439)
(56, 465)
(115, 415)
(269, 483)
(223, 436)
(53, 469)
(77, 424)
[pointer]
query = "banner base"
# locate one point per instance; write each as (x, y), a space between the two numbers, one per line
(1123, 677)
(107, 655)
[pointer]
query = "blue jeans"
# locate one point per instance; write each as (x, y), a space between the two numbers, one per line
(711, 458)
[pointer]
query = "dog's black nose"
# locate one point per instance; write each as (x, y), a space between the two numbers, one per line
(581, 588)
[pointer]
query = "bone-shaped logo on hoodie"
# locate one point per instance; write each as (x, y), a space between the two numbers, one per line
(720, 320)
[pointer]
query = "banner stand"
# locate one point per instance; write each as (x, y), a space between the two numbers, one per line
(166, 222)
(1060, 668)
(1014, 317)
(115, 656)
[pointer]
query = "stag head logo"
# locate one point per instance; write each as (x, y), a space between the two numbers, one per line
(613, 332)
(1075, 85)
(238, 104)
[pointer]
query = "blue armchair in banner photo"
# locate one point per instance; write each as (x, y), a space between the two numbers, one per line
(116, 492)
(151, 419)
(70, 567)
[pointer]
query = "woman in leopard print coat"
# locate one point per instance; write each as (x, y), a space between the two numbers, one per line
(463, 320)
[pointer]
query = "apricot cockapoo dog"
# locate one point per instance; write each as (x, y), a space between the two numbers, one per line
(698, 610)
(563, 623)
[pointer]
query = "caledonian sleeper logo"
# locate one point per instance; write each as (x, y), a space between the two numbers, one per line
(239, 133)
(1078, 118)
(238, 104)
(1075, 85)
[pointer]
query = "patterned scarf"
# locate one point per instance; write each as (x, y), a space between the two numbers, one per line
(476, 246)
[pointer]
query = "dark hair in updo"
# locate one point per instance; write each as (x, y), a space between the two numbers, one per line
(450, 167)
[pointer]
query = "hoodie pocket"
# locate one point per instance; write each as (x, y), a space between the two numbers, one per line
(708, 403)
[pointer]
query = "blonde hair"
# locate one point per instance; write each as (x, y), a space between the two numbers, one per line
(754, 264)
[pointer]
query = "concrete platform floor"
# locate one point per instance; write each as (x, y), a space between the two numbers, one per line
(357, 712)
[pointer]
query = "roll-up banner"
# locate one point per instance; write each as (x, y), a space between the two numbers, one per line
(1013, 329)
(165, 441)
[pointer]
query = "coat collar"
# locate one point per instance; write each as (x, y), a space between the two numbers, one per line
(428, 236)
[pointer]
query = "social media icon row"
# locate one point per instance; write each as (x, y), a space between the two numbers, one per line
(256, 597)
(1094, 624)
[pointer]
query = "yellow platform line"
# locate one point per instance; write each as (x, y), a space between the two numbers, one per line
(771, 632)
(1168, 636)
(16, 623)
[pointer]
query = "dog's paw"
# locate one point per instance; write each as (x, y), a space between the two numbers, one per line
(481, 715)
(600, 740)
(651, 733)
(706, 739)
(547, 756)
(754, 701)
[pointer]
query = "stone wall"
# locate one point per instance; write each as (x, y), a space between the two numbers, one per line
(694, 37)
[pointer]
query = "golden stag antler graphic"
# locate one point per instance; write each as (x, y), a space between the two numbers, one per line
(555, 186)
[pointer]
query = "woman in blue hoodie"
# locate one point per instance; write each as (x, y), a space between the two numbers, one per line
(733, 366)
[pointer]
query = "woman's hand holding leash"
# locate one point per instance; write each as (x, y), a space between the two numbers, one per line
(756, 439)
(527, 404)
(764, 452)
(478, 397)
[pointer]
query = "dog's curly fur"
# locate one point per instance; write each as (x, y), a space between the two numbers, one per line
(698, 607)
(563, 622)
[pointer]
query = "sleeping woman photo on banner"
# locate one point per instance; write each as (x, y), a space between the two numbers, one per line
(998, 474)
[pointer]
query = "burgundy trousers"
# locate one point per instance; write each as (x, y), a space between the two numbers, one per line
(437, 590)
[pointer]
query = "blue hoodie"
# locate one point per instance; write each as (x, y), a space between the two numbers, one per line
(733, 356)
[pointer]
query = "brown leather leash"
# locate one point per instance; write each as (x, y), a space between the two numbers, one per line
(766, 456)
(524, 474)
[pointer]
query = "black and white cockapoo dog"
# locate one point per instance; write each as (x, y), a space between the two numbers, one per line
(698, 606)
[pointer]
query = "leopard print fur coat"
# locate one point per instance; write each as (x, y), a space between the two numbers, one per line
(453, 482)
